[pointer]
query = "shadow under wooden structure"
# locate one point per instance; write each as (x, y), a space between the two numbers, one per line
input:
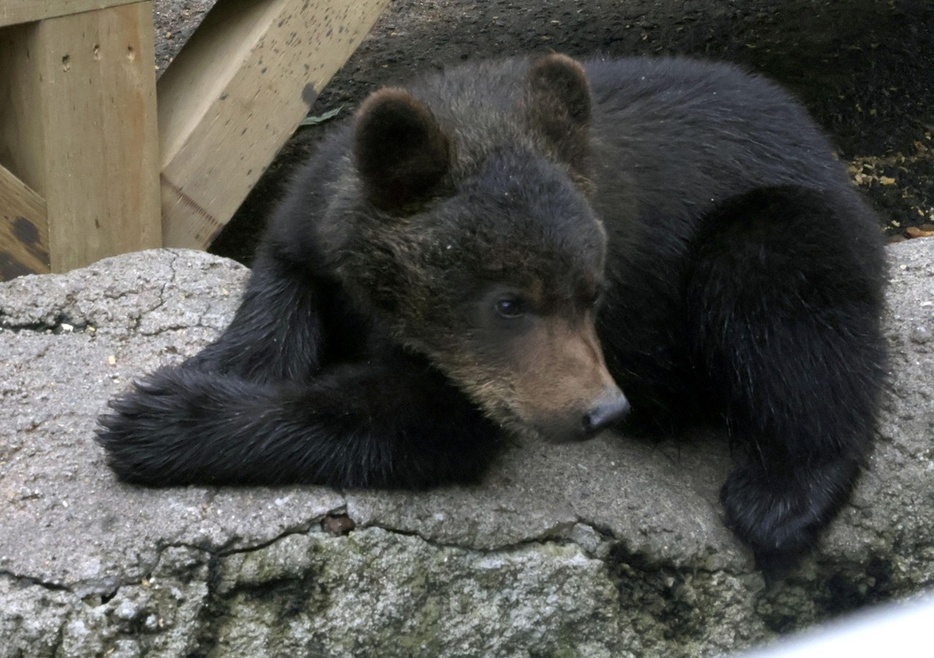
(89, 167)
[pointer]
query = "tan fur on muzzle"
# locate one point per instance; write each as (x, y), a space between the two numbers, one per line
(560, 377)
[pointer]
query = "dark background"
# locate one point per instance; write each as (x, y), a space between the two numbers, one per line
(864, 68)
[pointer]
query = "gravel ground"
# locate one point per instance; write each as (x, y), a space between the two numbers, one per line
(174, 21)
(865, 70)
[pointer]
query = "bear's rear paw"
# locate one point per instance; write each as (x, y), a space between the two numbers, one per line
(780, 516)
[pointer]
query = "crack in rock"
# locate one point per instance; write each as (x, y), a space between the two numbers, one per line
(597, 550)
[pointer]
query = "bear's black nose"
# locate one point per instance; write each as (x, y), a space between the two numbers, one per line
(610, 408)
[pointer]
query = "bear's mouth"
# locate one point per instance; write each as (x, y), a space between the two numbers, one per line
(559, 428)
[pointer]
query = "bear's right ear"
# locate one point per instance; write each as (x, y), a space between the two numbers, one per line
(400, 151)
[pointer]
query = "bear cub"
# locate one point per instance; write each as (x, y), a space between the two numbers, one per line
(554, 247)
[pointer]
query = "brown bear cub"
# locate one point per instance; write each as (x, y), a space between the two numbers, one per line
(512, 247)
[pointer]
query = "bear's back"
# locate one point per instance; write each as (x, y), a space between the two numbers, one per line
(683, 135)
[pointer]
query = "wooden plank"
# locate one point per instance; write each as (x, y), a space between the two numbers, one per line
(13, 12)
(96, 79)
(235, 94)
(21, 144)
(24, 234)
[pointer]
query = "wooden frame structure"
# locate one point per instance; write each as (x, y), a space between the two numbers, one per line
(78, 139)
(89, 167)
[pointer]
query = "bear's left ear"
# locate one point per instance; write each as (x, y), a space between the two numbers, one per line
(401, 152)
(558, 106)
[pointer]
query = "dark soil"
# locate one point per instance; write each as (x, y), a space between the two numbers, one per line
(864, 68)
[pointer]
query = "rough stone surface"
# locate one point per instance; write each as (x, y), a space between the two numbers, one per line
(608, 548)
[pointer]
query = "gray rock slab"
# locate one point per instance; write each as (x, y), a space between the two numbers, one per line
(612, 547)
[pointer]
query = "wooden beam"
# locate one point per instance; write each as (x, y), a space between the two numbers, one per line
(24, 227)
(235, 94)
(78, 126)
(84, 136)
(24, 234)
(21, 140)
(14, 12)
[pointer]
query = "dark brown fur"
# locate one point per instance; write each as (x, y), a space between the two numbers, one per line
(505, 245)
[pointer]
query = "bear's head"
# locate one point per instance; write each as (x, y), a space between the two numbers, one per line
(468, 231)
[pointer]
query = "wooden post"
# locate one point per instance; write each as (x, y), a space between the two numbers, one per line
(78, 127)
(79, 142)
(235, 94)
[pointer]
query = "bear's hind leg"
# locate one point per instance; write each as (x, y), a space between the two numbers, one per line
(785, 297)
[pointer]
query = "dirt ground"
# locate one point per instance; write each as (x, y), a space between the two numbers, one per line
(864, 68)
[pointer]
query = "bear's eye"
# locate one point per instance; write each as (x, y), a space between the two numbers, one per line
(510, 307)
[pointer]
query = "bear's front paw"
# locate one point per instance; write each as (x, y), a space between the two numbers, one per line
(142, 427)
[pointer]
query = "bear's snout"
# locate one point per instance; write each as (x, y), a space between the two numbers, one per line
(609, 409)
(560, 386)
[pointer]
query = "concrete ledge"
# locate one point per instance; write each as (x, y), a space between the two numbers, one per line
(607, 548)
